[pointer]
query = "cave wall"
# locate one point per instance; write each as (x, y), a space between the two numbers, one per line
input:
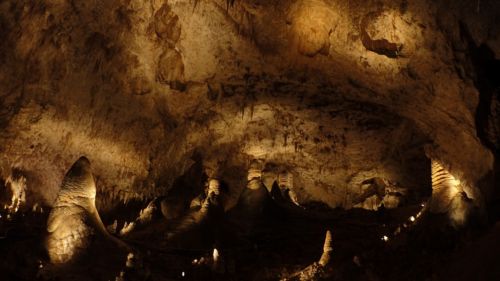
(338, 92)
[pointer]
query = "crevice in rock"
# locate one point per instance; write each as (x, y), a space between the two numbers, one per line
(379, 46)
(486, 69)
(487, 116)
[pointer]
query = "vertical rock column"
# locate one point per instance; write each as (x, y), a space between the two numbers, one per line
(74, 217)
(448, 195)
(327, 249)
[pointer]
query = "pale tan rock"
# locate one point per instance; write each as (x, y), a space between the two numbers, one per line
(444, 188)
(138, 87)
(74, 218)
(255, 170)
(327, 249)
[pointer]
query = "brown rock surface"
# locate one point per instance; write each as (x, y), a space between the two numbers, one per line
(138, 88)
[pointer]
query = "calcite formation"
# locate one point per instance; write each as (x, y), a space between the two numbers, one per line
(15, 189)
(253, 198)
(327, 249)
(444, 188)
(338, 92)
(328, 105)
(74, 218)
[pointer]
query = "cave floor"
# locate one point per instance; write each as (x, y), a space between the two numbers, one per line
(271, 247)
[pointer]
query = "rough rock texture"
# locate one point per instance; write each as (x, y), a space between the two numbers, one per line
(70, 225)
(336, 92)
(74, 219)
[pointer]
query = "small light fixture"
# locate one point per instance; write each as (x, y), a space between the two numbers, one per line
(412, 218)
(183, 274)
(385, 238)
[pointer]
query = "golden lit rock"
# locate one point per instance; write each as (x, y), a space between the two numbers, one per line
(74, 218)
(250, 126)
(312, 22)
(327, 249)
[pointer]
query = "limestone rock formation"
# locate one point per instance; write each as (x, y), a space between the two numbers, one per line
(337, 101)
(152, 84)
(74, 218)
(327, 249)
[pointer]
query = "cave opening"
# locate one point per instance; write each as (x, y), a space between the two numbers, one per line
(249, 140)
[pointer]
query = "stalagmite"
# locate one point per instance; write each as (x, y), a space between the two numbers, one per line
(146, 214)
(213, 196)
(127, 228)
(217, 265)
(213, 187)
(285, 183)
(16, 183)
(74, 217)
(448, 195)
(252, 198)
(444, 188)
(460, 209)
(205, 206)
(252, 127)
(196, 202)
(255, 170)
(317, 270)
(210, 208)
(130, 260)
(327, 249)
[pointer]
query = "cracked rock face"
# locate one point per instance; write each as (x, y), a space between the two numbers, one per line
(336, 93)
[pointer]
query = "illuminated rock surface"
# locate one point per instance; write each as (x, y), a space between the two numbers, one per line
(332, 106)
(74, 219)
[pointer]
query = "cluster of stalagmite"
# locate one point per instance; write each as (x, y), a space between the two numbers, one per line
(74, 218)
(279, 181)
(16, 189)
(378, 192)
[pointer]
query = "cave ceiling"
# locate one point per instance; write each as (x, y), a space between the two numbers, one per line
(335, 92)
